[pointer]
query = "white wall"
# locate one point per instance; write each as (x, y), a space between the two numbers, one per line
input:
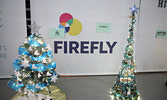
(12, 33)
(151, 52)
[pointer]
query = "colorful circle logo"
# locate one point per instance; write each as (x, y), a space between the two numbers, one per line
(71, 25)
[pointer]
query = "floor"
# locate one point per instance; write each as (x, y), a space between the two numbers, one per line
(151, 87)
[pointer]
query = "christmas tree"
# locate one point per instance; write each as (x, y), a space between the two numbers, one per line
(34, 68)
(125, 85)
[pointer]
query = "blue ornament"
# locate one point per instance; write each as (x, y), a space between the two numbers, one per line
(33, 58)
(43, 45)
(51, 71)
(44, 54)
(38, 58)
(39, 87)
(22, 51)
(54, 73)
(42, 85)
(33, 42)
(38, 67)
(51, 65)
(32, 35)
(49, 81)
(32, 88)
(13, 85)
(49, 53)
(15, 64)
(134, 9)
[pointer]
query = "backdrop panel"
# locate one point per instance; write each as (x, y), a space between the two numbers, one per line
(151, 52)
(89, 13)
(12, 33)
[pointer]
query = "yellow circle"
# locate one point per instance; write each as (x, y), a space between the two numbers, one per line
(75, 28)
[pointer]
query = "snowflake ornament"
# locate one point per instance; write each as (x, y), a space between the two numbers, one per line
(25, 63)
(54, 78)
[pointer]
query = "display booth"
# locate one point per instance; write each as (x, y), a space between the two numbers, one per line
(100, 30)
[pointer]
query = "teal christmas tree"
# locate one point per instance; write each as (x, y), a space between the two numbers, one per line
(125, 85)
(34, 68)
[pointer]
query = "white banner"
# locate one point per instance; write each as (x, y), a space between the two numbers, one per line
(92, 51)
(12, 33)
(151, 52)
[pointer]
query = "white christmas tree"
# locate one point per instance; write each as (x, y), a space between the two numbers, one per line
(34, 69)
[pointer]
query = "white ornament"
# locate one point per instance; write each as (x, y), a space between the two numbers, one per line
(17, 73)
(49, 47)
(37, 86)
(129, 91)
(34, 67)
(44, 60)
(47, 97)
(22, 98)
(36, 53)
(19, 90)
(39, 75)
(24, 75)
(25, 91)
(44, 97)
(43, 50)
(19, 79)
(30, 95)
(30, 48)
(40, 41)
(25, 63)
(40, 96)
(54, 78)
(37, 96)
(48, 74)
